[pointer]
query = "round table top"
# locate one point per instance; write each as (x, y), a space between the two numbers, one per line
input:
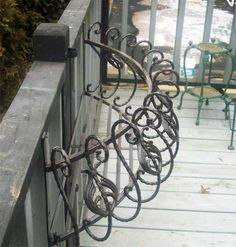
(212, 48)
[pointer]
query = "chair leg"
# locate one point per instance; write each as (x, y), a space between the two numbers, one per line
(200, 103)
(181, 101)
(226, 110)
(231, 146)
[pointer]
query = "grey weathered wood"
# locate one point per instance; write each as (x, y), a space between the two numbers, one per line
(180, 220)
(73, 16)
(50, 42)
(139, 237)
(20, 135)
(36, 222)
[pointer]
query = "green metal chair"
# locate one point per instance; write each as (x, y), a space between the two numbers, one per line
(204, 90)
(232, 118)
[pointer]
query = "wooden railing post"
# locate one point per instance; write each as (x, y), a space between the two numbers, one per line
(51, 43)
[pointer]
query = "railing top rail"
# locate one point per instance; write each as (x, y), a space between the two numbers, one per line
(20, 133)
(23, 124)
(73, 16)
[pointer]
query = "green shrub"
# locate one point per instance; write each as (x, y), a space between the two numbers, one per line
(49, 10)
(14, 50)
(18, 20)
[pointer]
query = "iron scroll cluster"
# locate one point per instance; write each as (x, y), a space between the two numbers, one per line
(149, 133)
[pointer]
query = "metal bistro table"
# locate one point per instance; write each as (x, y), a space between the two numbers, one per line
(210, 56)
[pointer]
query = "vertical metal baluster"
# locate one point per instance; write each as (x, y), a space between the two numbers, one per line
(75, 94)
(124, 28)
(208, 21)
(57, 209)
(118, 162)
(152, 28)
(124, 23)
(55, 138)
(77, 169)
(179, 34)
(206, 32)
(97, 39)
(46, 150)
(105, 170)
(131, 158)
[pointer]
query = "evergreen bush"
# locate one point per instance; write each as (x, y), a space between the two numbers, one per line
(18, 20)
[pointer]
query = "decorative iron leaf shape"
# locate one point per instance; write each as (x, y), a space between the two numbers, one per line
(163, 104)
(133, 139)
(157, 125)
(150, 158)
(103, 203)
(107, 190)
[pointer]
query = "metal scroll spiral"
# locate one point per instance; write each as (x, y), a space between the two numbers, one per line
(159, 127)
(95, 28)
(137, 50)
(149, 155)
(166, 77)
(166, 133)
(133, 139)
(115, 60)
(101, 193)
(129, 40)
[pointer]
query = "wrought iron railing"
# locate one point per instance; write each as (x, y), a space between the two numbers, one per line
(45, 112)
(148, 132)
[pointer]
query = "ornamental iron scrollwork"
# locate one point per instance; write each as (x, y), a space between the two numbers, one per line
(150, 132)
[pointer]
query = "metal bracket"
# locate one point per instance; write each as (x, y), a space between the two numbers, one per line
(72, 53)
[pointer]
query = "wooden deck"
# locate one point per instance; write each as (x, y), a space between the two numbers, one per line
(196, 207)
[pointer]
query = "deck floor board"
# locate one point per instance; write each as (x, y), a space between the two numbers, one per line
(182, 215)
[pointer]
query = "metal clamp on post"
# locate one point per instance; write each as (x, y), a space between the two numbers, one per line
(72, 53)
